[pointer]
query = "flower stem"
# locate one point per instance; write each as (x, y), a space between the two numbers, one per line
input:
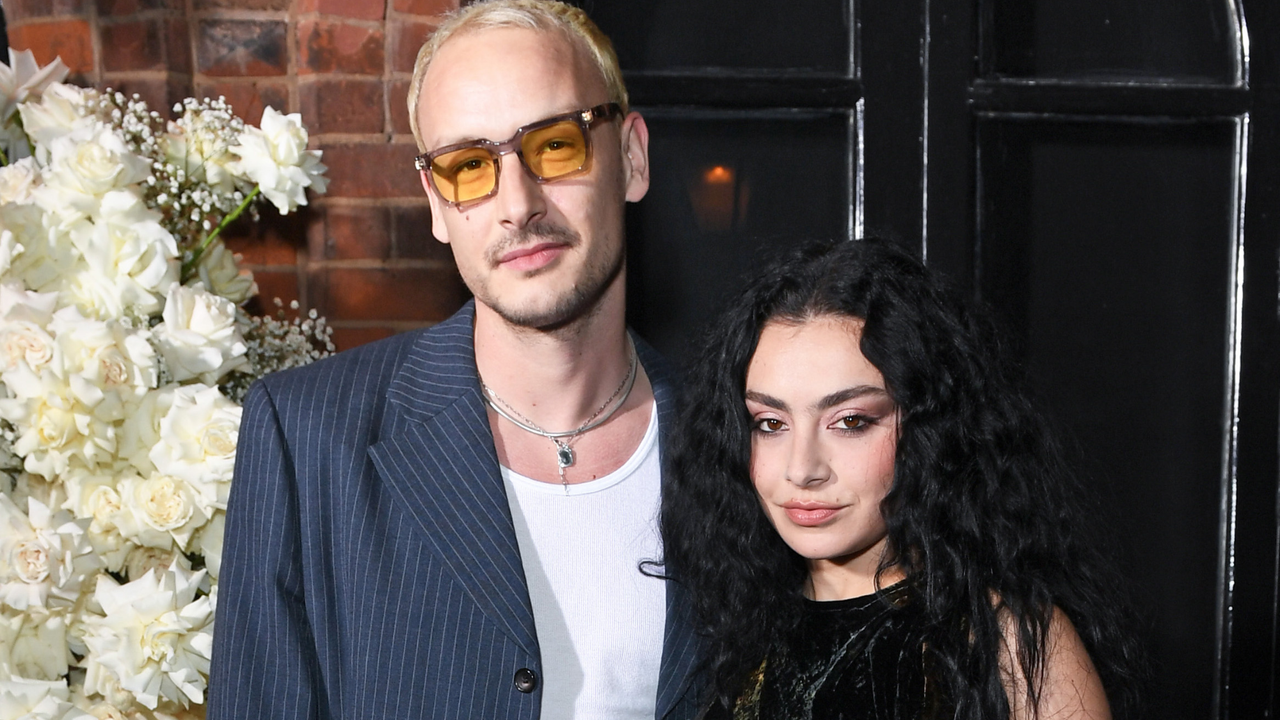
(189, 266)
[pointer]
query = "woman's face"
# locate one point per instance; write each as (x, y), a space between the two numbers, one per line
(824, 430)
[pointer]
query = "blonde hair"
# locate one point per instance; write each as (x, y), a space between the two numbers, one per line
(544, 15)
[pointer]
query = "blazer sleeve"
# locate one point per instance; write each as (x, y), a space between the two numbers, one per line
(264, 656)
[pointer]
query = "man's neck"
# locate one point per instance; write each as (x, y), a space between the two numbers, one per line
(558, 378)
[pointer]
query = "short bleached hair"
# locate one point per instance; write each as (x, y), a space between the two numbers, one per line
(543, 15)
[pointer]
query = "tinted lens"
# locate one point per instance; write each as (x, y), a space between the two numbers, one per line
(555, 151)
(464, 174)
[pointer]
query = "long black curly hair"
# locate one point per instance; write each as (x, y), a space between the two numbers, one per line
(984, 518)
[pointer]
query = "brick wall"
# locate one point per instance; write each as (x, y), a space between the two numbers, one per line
(362, 255)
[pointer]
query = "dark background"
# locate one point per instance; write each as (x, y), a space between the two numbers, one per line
(1102, 173)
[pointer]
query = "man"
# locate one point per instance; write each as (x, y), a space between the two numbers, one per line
(449, 524)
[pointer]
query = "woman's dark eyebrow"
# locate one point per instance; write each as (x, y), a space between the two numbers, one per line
(767, 400)
(840, 396)
(825, 403)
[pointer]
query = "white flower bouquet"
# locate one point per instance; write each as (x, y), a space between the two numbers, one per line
(125, 349)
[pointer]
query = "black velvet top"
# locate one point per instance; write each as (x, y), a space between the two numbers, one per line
(853, 659)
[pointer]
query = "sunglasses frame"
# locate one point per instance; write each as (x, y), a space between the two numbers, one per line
(584, 118)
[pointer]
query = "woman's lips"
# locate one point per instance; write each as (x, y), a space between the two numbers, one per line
(532, 257)
(810, 514)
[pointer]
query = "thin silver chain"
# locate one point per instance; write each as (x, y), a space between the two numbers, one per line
(564, 448)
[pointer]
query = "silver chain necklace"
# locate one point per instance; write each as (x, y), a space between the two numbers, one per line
(564, 448)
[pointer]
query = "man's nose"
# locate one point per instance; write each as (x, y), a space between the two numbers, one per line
(520, 200)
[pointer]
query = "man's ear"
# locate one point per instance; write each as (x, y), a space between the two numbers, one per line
(635, 156)
(438, 228)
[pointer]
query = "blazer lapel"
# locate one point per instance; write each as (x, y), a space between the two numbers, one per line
(436, 454)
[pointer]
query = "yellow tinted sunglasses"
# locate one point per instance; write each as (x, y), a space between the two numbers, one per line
(552, 149)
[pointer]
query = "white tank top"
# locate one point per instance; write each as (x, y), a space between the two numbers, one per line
(599, 620)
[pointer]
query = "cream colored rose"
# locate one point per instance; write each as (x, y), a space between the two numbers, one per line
(220, 272)
(33, 645)
(140, 431)
(85, 165)
(45, 557)
(159, 511)
(276, 159)
(209, 543)
(18, 182)
(199, 337)
(23, 79)
(142, 560)
(37, 700)
(59, 110)
(154, 636)
(198, 441)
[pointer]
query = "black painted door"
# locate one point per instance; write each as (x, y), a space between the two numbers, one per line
(1104, 173)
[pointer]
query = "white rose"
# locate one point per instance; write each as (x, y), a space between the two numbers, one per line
(159, 511)
(60, 109)
(141, 429)
(142, 560)
(276, 159)
(48, 256)
(53, 429)
(220, 272)
(130, 251)
(34, 645)
(85, 165)
(154, 637)
(18, 181)
(23, 79)
(209, 543)
(25, 342)
(37, 700)
(45, 557)
(198, 441)
(199, 337)
(94, 497)
(9, 248)
(109, 366)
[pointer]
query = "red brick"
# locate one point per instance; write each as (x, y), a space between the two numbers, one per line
(389, 294)
(241, 4)
(238, 48)
(411, 234)
(249, 99)
(133, 46)
(345, 338)
(67, 39)
(273, 284)
(357, 232)
(355, 9)
(22, 9)
(272, 241)
(342, 106)
(178, 46)
(425, 7)
(329, 47)
(406, 39)
(397, 105)
(121, 8)
(374, 170)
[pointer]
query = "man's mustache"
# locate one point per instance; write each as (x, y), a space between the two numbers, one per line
(531, 234)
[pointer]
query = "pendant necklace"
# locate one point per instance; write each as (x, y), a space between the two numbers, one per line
(564, 440)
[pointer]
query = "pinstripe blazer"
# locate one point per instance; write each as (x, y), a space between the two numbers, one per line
(370, 564)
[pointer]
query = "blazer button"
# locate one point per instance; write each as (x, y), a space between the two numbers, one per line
(526, 680)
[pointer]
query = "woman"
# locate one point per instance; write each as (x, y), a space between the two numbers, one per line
(872, 521)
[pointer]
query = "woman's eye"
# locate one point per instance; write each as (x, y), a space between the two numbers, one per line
(769, 425)
(852, 422)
